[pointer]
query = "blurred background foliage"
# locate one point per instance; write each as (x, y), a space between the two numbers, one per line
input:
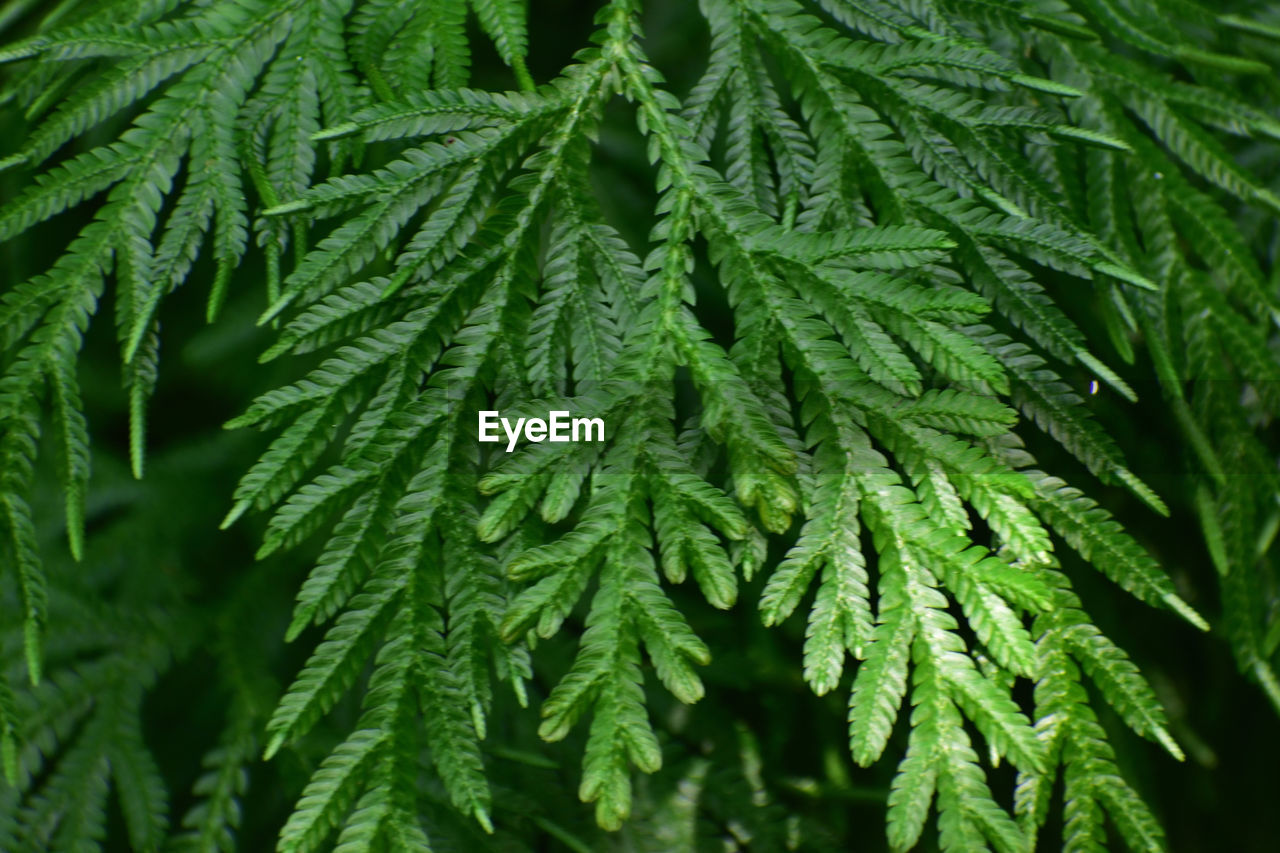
(172, 617)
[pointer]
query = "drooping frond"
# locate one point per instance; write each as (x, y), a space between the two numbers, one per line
(814, 316)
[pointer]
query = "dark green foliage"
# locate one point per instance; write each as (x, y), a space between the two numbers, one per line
(852, 300)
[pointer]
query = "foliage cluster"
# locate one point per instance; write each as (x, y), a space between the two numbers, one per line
(848, 300)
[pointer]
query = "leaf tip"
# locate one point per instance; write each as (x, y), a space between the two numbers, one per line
(287, 207)
(337, 131)
(273, 746)
(1126, 275)
(31, 648)
(234, 514)
(1166, 740)
(75, 541)
(1186, 611)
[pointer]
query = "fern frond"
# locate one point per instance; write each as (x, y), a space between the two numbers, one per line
(211, 823)
(816, 303)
